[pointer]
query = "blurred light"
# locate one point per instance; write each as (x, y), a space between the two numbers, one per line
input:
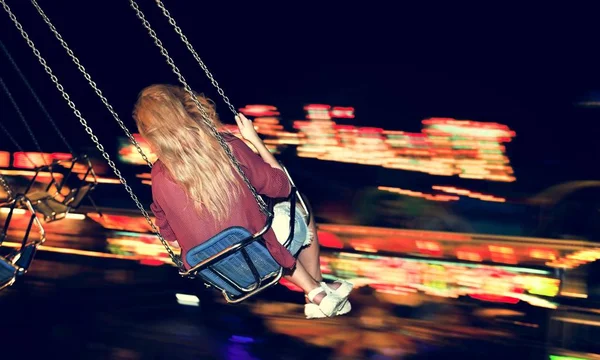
(259, 110)
(342, 112)
(30, 160)
(418, 194)
(468, 193)
(241, 339)
(4, 159)
(129, 154)
(73, 216)
(188, 300)
(6, 210)
(573, 295)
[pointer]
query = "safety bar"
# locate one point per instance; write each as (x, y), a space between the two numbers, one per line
(22, 198)
(298, 195)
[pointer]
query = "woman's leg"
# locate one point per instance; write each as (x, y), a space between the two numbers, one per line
(309, 256)
(301, 278)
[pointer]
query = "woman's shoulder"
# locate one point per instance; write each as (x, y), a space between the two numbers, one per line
(159, 174)
(229, 137)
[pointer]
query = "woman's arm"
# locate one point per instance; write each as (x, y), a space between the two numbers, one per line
(249, 133)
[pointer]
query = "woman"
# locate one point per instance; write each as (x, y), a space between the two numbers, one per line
(197, 192)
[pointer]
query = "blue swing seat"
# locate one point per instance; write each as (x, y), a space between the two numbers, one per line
(236, 273)
(237, 262)
(8, 273)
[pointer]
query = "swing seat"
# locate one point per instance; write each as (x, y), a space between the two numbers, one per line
(25, 257)
(238, 262)
(47, 204)
(20, 260)
(244, 268)
(8, 273)
(50, 208)
(76, 196)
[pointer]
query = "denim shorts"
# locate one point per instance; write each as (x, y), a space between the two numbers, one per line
(303, 235)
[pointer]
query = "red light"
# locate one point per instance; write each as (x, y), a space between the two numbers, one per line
(259, 110)
(61, 156)
(30, 160)
(329, 240)
(342, 112)
(495, 298)
(290, 285)
(370, 130)
(151, 262)
(317, 107)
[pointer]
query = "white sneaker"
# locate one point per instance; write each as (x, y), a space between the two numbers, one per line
(331, 302)
(312, 311)
(343, 290)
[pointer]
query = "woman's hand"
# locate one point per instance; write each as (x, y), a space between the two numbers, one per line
(246, 128)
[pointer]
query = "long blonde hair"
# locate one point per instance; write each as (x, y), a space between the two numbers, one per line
(168, 118)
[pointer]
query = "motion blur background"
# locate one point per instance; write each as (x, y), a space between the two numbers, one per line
(448, 153)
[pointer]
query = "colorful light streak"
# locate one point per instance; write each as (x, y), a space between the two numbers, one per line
(418, 194)
(468, 193)
(445, 147)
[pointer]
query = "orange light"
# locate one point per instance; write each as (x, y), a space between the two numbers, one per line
(4, 159)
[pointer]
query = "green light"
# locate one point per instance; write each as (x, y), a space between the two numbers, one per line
(558, 357)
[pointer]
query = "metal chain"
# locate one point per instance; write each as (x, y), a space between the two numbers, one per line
(12, 139)
(37, 99)
(206, 118)
(196, 56)
(22, 117)
(88, 77)
(90, 132)
(6, 187)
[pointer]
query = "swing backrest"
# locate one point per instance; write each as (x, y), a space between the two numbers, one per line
(237, 272)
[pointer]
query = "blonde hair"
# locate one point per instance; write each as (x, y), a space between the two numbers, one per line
(168, 118)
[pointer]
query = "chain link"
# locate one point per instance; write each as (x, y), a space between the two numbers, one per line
(90, 132)
(37, 99)
(6, 187)
(206, 118)
(196, 56)
(88, 77)
(22, 118)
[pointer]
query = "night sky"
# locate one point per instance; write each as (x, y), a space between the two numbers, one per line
(522, 67)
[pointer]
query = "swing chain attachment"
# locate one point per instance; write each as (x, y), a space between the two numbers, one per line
(6, 187)
(187, 43)
(90, 132)
(92, 83)
(206, 118)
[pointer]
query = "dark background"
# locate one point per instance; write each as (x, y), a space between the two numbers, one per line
(524, 67)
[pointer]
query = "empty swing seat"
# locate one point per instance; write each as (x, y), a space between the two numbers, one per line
(47, 203)
(76, 196)
(50, 208)
(8, 273)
